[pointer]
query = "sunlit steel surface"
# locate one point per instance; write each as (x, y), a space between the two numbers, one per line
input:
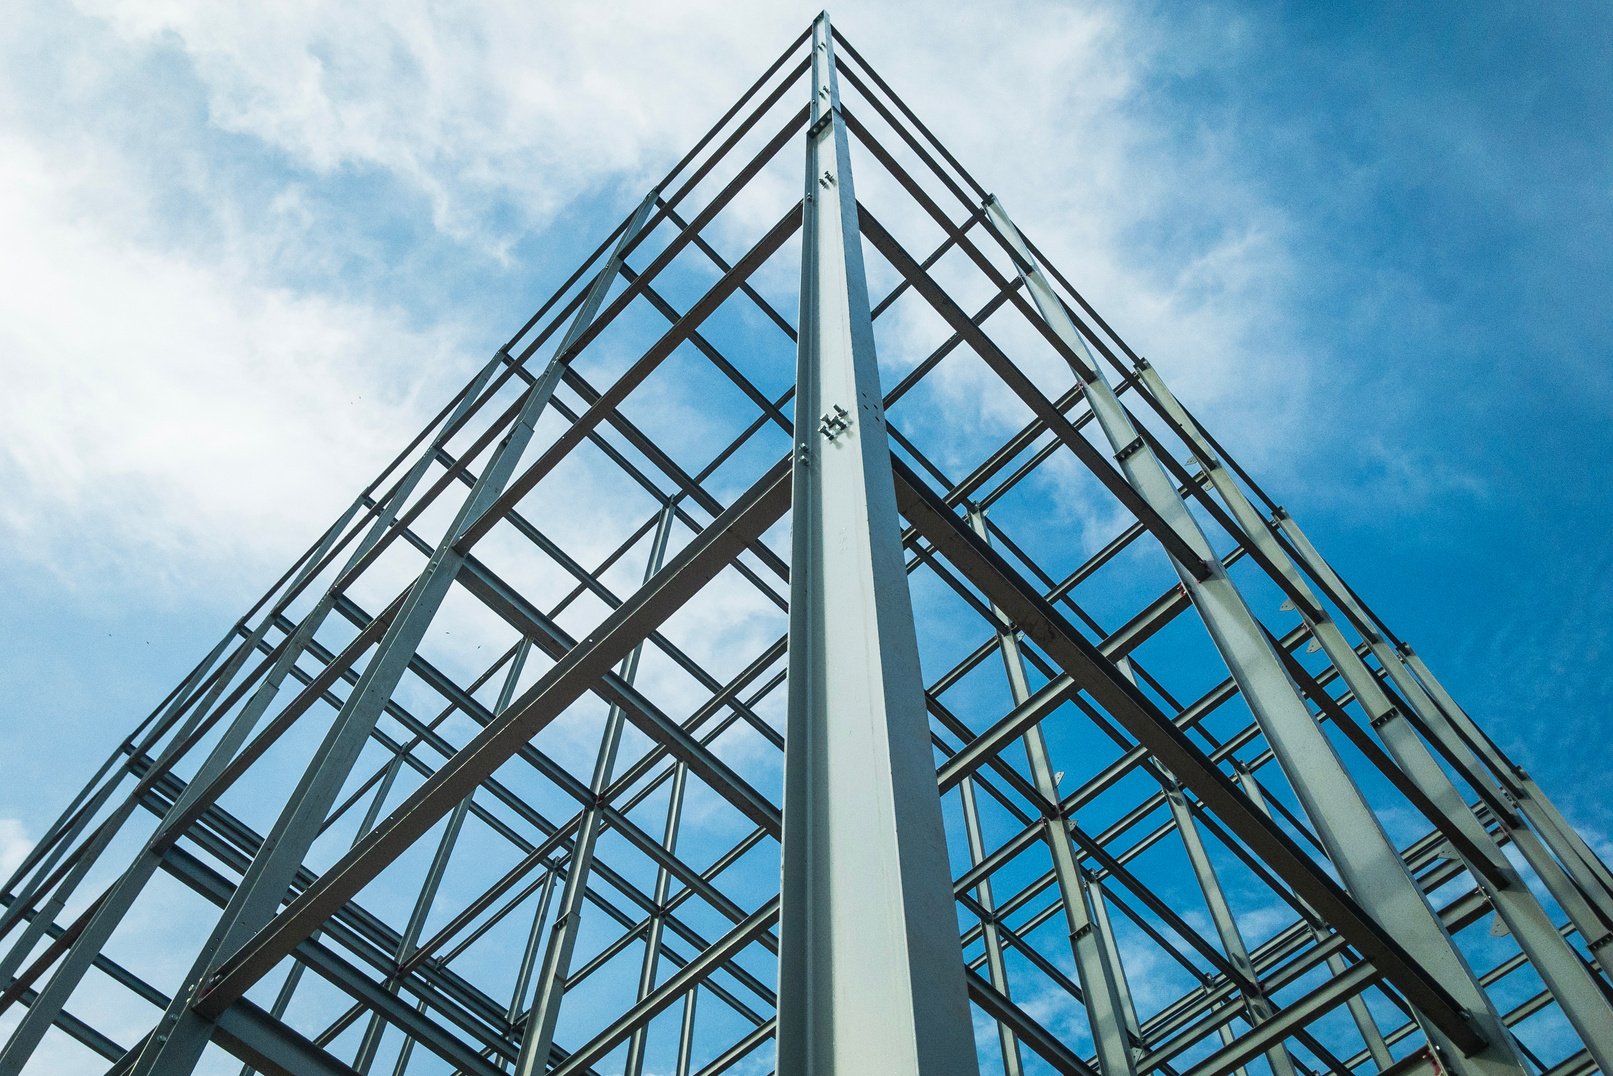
(513, 770)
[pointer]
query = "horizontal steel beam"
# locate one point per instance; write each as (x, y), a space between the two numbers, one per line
(1040, 622)
(269, 1046)
(579, 672)
(721, 952)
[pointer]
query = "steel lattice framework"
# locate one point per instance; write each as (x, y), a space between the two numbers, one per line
(668, 707)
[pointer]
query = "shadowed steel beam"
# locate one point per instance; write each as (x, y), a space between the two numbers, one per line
(1226, 924)
(1351, 833)
(992, 937)
(182, 1033)
(268, 1045)
(1365, 1023)
(721, 951)
(1586, 899)
(694, 566)
(383, 788)
(446, 958)
(1032, 1034)
(409, 940)
(58, 839)
(509, 604)
(1582, 1000)
(1099, 992)
(1106, 931)
(1040, 622)
(657, 930)
(539, 1034)
(332, 967)
(211, 777)
(1291, 1019)
(870, 969)
(289, 586)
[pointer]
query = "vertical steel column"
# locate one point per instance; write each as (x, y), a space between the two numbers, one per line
(406, 1051)
(686, 1034)
(539, 1034)
(1365, 1023)
(870, 967)
(383, 788)
(1013, 1065)
(656, 928)
(1226, 925)
(123, 892)
(1256, 1005)
(182, 1034)
(409, 940)
(529, 956)
(1582, 1000)
(1111, 951)
(1354, 839)
(1105, 1008)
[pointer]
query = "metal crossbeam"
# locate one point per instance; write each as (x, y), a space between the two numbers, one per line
(817, 745)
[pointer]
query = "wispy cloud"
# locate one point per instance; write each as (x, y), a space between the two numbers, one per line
(243, 368)
(14, 845)
(167, 408)
(245, 251)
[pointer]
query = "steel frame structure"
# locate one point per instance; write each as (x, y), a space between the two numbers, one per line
(1004, 808)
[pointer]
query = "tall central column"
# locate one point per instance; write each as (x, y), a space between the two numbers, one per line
(870, 969)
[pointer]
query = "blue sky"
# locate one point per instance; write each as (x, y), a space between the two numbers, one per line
(243, 256)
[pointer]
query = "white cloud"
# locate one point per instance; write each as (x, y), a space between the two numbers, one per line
(192, 393)
(14, 845)
(474, 104)
(179, 408)
(215, 406)
(165, 408)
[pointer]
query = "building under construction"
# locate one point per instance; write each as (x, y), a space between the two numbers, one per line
(697, 693)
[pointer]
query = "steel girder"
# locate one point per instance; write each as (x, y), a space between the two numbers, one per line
(1134, 886)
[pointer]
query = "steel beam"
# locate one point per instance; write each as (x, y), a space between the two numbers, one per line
(991, 935)
(1225, 922)
(213, 774)
(1583, 1000)
(270, 1046)
(868, 930)
(1040, 622)
(1576, 877)
(1355, 841)
(183, 1032)
(1091, 950)
(694, 566)
(870, 971)
(1365, 1022)
(538, 1036)
(634, 1064)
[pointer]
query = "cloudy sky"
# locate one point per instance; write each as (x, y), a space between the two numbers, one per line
(246, 251)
